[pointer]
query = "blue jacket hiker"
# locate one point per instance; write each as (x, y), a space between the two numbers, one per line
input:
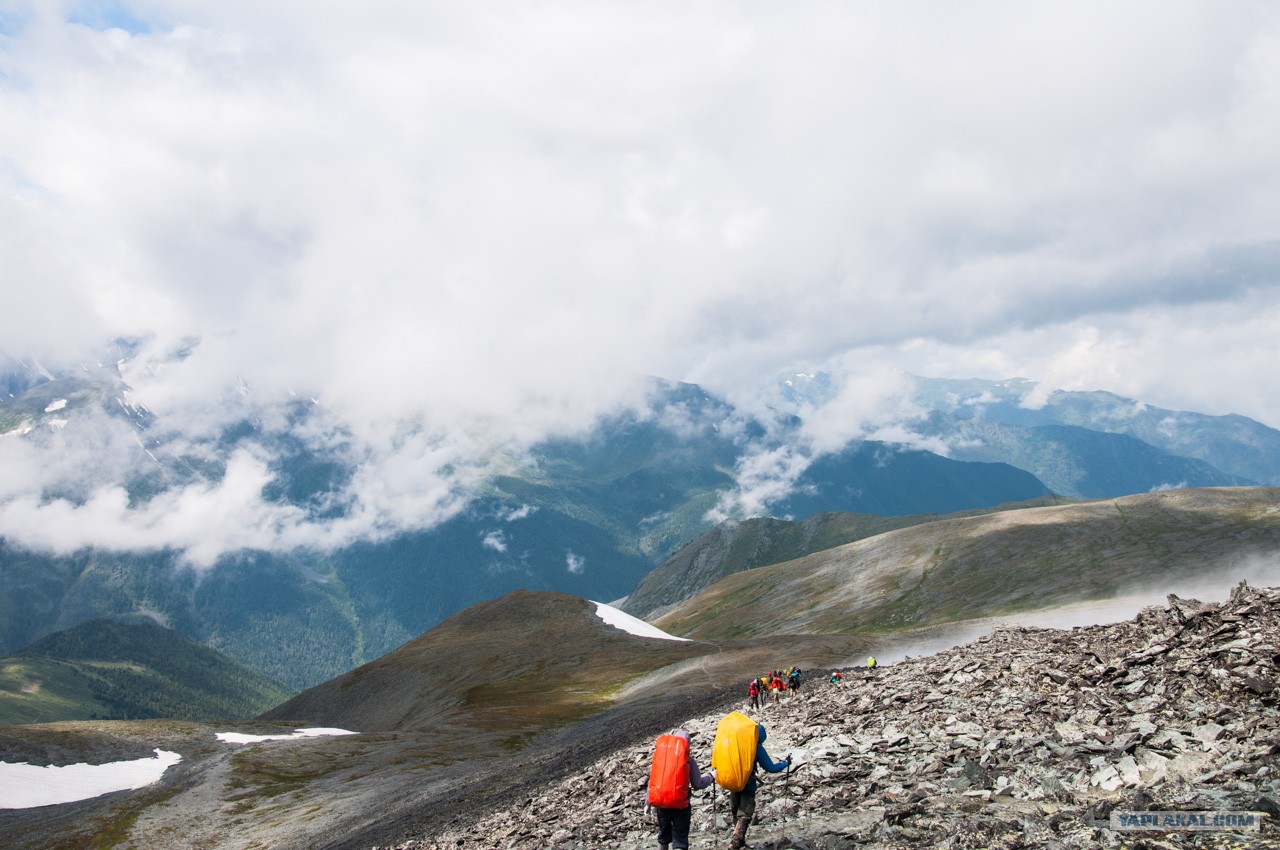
(742, 804)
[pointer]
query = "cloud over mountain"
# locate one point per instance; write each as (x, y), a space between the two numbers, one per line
(463, 230)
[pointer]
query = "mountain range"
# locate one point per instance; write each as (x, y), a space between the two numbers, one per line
(590, 516)
(1094, 445)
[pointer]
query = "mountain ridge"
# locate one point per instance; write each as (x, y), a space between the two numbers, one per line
(976, 416)
(968, 567)
(733, 546)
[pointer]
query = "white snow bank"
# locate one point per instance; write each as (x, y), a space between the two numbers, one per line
(238, 738)
(633, 625)
(25, 786)
(57, 405)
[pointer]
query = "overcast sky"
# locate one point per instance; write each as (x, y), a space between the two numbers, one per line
(488, 219)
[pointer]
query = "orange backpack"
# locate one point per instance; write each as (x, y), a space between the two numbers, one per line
(669, 774)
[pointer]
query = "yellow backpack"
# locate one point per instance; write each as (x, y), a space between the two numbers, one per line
(733, 755)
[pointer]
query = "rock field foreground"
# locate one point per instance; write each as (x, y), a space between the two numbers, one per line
(1026, 738)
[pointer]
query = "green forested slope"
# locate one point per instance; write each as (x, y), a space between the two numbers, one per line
(108, 670)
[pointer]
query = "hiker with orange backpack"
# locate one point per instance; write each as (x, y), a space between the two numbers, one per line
(737, 752)
(671, 776)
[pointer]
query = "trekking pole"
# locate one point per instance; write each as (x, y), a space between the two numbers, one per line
(715, 826)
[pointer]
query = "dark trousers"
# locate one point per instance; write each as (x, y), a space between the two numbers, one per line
(673, 827)
(742, 808)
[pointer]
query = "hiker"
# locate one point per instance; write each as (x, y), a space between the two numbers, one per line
(871, 664)
(777, 687)
(742, 804)
(753, 691)
(795, 679)
(836, 677)
(669, 789)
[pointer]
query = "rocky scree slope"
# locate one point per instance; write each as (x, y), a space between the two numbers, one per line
(1026, 738)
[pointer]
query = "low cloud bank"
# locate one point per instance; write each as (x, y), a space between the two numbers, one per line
(462, 232)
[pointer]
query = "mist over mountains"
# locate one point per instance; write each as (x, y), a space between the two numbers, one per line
(277, 539)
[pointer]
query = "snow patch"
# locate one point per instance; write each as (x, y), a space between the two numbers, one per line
(631, 625)
(26, 786)
(238, 738)
(57, 405)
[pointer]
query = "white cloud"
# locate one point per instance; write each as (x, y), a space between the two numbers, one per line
(575, 564)
(517, 514)
(763, 476)
(494, 540)
(462, 228)
(204, 520)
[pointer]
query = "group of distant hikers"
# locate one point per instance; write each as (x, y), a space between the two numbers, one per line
(737, 751)
(774, 685)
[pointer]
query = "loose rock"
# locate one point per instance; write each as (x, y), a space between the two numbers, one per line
(1025, 738)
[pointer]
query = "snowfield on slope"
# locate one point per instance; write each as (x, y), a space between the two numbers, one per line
(26, 786)
(633, 625)
(239, 738)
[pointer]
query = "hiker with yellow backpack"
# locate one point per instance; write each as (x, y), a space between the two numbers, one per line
(673, 773)
(737, 751)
